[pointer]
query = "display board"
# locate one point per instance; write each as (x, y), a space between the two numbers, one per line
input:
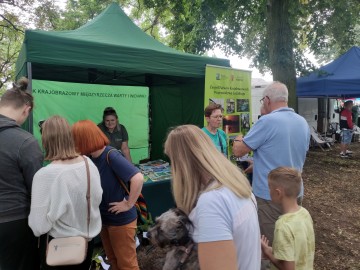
(232, 89)
(75, 102)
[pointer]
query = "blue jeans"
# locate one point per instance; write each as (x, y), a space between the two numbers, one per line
(346, 136)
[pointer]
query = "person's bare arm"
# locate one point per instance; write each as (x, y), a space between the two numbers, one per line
(250, 168)
(239, 147)
(267, 252)
(136, 184)
(285, 265)
(282, 265)
(126, 151)
(217, 255)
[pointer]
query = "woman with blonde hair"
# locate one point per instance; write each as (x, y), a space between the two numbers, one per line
(58, 201)
(118, 213)
(218, 199)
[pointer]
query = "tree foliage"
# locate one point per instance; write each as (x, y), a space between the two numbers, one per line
(274, 34)
(11, 35)
(9, 47)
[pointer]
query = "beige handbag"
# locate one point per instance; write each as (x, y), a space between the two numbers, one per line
(70, 250)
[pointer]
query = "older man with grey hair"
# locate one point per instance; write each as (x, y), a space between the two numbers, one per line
(279, 138)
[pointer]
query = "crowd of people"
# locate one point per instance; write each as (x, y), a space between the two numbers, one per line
(280, 138)
(236, 225)
(50, 202)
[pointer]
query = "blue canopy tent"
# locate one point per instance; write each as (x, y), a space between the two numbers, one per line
(338, 79)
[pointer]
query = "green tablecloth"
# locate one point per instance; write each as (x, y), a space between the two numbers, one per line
(158, 197)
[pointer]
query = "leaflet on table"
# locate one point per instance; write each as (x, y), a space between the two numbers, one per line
(154, 163)
(156, 176)
(155, 170)
(152, 168)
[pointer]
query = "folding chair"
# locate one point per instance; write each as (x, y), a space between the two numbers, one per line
(355, 134)
(333, 131)
(319, 140)
(356, 130)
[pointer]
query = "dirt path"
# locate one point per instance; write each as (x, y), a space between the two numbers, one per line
(332, 196)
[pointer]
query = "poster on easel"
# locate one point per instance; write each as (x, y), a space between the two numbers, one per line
(231, 88)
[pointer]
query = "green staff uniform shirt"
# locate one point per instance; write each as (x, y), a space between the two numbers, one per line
(117, 137)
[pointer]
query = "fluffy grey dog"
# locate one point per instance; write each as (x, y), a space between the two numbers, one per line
(171, 231)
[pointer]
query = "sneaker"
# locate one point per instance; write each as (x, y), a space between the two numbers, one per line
(342, 155)
(348, 152)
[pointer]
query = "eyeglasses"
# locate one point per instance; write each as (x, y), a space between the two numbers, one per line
(217, 116)
(262, 100)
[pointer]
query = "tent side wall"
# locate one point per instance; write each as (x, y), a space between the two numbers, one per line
(172, 106)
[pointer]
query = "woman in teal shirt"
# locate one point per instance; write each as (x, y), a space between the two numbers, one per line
(214, 115)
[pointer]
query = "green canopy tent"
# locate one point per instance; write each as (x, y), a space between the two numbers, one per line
(111, 49)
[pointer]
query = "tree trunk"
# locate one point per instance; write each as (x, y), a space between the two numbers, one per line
(280, 42)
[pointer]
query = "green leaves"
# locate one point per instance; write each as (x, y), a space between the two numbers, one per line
(326, 28)
(11, 35)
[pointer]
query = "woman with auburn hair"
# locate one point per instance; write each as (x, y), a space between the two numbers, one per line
(218, 199)
(118, 213)
(58, 199)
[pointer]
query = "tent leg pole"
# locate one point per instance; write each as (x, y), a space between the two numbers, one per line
(29, 76)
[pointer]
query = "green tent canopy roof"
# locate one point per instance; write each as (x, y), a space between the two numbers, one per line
(111, 41)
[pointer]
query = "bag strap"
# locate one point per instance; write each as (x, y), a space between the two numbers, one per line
(87, 193)
(117, 177)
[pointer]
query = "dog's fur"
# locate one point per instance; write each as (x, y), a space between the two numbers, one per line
(171, 231)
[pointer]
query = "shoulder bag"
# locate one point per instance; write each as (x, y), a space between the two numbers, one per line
(70, 250)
